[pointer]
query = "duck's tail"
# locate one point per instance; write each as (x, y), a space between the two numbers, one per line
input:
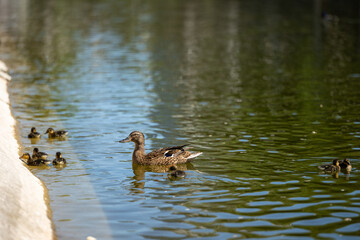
(194, 155)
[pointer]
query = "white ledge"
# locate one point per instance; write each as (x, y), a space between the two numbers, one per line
(24, 212)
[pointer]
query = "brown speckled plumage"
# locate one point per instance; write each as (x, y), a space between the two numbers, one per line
(34, 162)
(33, 133)
(345, 165)
(39, 155)
(56, 134)
(331, 168)
(59, 160)
(162, 156)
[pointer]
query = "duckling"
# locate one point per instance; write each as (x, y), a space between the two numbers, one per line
(163, 156)
(59, 160)
(174, 173)
(39, 155)
(345, 165)
(331, 168)
(54, 134)
(33, 133)
(33, 162)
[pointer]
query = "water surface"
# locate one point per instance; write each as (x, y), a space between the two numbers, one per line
(266, 90)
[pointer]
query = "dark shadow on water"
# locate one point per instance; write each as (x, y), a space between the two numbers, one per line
(140, 171)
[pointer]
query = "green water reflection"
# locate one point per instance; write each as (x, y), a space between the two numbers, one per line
(267, 90)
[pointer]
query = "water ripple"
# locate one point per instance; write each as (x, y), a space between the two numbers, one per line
(289, 215)
(317, 222)
(355, 227)
(282, 232)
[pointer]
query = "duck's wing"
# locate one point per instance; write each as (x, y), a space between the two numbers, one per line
(46, 162)
(41, 155)
(59, 161)
(170, 155)
(329, 168)
(177, 147)
(183, 151)
(166, 152)
(167, 156)
(174, 151)
(325, 167)
(61, 133)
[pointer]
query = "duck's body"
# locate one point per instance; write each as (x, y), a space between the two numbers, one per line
(59, 160)
(39, 155)
(345, 165)
(174, 173)
(331, 168)
(56, 134)
(162, 156)
(34, 134)
(33, 162)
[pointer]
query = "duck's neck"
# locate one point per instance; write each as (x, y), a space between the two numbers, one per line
(139, 153)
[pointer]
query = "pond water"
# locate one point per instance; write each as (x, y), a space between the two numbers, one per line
(266, 90)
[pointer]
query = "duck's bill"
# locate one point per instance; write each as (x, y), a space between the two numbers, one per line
(125, 140)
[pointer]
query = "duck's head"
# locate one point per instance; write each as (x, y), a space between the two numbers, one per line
(33, 130)
(336, 162)
(58, 155)
(135, 136)
(36, 150)
(25, 157)
(49, 130)
(347, 161)
(172, 168)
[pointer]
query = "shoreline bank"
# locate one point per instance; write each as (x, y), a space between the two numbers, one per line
(24, 211)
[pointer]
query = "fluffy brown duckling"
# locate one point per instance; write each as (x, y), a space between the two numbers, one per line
(345, 165)
(33, 133)
(33, 162)
(174, 173)
(331, 168)
(59, 160)
(163, 156)
(56, 134)
(39, 155)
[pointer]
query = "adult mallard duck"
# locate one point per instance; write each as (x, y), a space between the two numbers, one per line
(33, 162)
(163, 156)
(345, 165)
(59, 160)
(39, 155)
(33, 133)
(174, 173)
(56, 134)
(331, 168)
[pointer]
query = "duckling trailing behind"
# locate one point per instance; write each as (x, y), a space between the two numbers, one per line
(56, 134)
(163, 156)
(33, 133)
(174, 173)
(59, 160)
(34, 162)
(345, 165)
(331, 168)
(39, 155)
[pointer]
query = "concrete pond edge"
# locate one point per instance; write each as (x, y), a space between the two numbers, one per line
(24, 200)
